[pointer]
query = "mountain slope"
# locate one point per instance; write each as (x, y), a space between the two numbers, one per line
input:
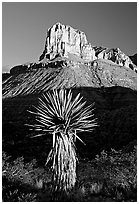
(100, 73)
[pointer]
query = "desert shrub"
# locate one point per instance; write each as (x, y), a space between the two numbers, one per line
(111, 174)
(18, 170)
(119, 171)
(15, 191)
(21, 180)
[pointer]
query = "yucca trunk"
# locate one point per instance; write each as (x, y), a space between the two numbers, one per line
(63, 116)
(64, 163)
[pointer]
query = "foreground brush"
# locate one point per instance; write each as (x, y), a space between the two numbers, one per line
(63, 117)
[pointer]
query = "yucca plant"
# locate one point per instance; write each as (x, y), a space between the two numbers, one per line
(63, 117)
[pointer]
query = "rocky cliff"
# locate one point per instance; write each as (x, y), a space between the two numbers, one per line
(68, 60)
(115, 55)
(134, 58)
(63, 39)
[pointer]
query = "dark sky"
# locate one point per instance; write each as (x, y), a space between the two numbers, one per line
(24, 26)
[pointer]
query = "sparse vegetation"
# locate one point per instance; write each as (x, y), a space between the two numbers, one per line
(113, 132)
(111, 176)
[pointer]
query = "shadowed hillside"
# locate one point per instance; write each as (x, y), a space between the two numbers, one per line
(111, 87)
(115, 109)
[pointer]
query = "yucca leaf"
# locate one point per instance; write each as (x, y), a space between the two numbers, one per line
(46, 108)
(62, 116)
(54, 139)
(55, 104)
(71, 104)
(39, 135)
(68, 101)
(49, 157)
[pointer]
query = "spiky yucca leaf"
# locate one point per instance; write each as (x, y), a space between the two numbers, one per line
(57, 111)
(63, 117)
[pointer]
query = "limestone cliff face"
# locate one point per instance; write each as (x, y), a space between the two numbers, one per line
(115, 55)
(63, 39)
(66, 44)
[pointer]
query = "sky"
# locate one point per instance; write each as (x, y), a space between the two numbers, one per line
(24, 26)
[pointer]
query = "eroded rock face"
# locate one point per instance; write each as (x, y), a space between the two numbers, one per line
(115, 55)
(64, 43)
(63, 39)
(134, 58)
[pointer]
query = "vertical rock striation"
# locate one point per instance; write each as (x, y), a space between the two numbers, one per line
(63, 39)
(115, 55)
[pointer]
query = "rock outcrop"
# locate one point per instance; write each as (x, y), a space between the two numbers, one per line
(68, 44)
(63, 39)
(115, 55)
(134, 58)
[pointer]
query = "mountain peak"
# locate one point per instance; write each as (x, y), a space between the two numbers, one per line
(69, 60)
(63, 39)
(57, 24)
